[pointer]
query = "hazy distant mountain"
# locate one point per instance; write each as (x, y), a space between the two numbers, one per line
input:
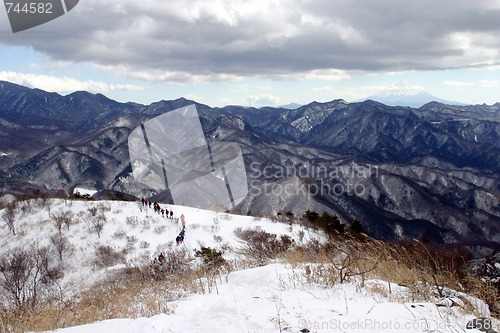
(403, 172)
(406, 94)
(290, 106)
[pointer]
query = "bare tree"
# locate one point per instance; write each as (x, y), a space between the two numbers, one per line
(10, 216)
(47, 203)
(19, 277)
(62, 218)
(93, 211)
(61, 244)
(68, 219)
(24, 273)
(58, 221)
(96, 220)
(98, 224)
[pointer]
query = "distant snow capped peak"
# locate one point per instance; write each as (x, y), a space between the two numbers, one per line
(404, 93)
(402, 88)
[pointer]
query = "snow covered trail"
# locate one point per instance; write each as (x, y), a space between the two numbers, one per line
(272, 298)
(276, 298)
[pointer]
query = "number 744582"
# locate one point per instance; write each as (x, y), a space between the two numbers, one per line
(29, 8)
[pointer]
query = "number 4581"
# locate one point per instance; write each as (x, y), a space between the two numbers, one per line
(31, 8)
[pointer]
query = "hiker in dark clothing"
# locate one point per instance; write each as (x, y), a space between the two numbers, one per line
(171, 214)
(180, 238)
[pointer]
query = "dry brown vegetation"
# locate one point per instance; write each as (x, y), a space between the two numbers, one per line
(130, 292)
(428, 272)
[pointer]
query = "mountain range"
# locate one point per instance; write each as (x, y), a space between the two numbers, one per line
(430, 172)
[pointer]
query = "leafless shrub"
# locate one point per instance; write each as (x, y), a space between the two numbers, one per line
(119, 234)
(124, 293)
(214, 266)
(215, 227)
(96, 220)
(160, 229)
(107, 256)
(210, 257)
(26, 207)
(47, 203)
(103, 208)
(162, 246)
(63, 218)
(262, 245)
(169, 263)
(133, 221)
(131, 240)
(26, 274)
(350, 260)
(61, 244)
(146, 225)
(93, 211)
(98, 224)
(301, 235)
(10, 216)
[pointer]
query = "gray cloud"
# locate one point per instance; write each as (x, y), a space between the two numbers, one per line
(216, 40)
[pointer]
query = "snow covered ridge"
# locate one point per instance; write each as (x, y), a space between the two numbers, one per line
(110, 248)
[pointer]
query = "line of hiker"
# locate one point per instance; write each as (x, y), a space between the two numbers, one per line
(168, 214)
(158, 209)
(180, 238)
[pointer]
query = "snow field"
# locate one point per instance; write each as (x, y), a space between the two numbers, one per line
(278, 297)
(130, 228)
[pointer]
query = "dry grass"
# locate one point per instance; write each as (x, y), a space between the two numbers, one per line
(129, 293)
(427, 272)
(115, 298)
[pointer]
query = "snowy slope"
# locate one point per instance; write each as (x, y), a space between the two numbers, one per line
(131, 228)
(278, 297)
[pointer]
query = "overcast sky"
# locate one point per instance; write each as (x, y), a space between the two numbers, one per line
(269, 52)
